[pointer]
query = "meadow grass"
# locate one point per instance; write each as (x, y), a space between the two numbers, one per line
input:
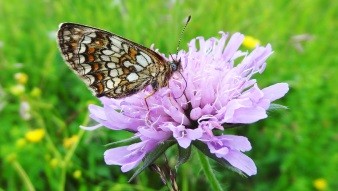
(293, 149)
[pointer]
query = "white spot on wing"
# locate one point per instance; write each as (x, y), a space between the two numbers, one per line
(82, 48)
(107, 52)
(93, 35)
(127, 64)
(146, 57)
(141, 60)
(105, 58)
(116, 42)
(86, 40)
(111, 65)
(114, 59)
(125, 47)
(113, 73)
(110, 84)
(116, 81)
(81, 59)
(117, 54)
(84, 69)
(132, 77)
(138, 67)
(88, 79)
(114, 48)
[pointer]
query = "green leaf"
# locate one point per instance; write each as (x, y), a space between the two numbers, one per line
(152, 156)
(205, 150)
(183, 155)
(128, 141)
(275, 107)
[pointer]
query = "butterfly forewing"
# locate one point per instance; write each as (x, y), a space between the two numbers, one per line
(110, 65)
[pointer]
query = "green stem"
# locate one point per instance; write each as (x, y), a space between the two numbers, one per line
(69, 156)
(185, 178)
(23, 175)
(215, 185)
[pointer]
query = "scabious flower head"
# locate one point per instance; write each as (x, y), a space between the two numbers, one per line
(215, 88)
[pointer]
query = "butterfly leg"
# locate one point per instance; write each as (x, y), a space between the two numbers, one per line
(145, 99)
(154, 84)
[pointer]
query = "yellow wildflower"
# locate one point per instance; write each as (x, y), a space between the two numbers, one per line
(250, 42)
(17, 89)
(77, 174)
(21, 78)
(35, 135)
(320, 184)
(36, 92)
(69, 142)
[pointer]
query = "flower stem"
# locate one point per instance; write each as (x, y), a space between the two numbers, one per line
(215, 185)
(69, 156)
(23, 175)
(67, 159)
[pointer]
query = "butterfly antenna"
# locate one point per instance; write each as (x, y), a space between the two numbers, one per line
(178, 46)
(179, 40)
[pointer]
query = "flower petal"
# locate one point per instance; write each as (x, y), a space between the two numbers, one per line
(275, 91)
(123, 157)
(242, 162)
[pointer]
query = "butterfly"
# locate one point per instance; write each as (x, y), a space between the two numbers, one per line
(111, 65)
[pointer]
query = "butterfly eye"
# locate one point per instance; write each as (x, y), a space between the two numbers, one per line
(173, 66)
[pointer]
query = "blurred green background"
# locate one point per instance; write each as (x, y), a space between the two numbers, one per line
(42, 103)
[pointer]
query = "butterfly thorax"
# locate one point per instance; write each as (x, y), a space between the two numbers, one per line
(165, 74)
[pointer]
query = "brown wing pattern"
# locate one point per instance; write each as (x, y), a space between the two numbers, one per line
(110, 65)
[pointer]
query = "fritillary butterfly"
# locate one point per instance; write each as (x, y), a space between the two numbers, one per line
(111, 65)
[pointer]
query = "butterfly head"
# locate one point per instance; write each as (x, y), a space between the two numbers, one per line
(175, 65)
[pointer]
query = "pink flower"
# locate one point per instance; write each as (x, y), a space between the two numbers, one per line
(211, 91)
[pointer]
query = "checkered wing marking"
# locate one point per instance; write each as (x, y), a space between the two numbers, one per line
(110, 65)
